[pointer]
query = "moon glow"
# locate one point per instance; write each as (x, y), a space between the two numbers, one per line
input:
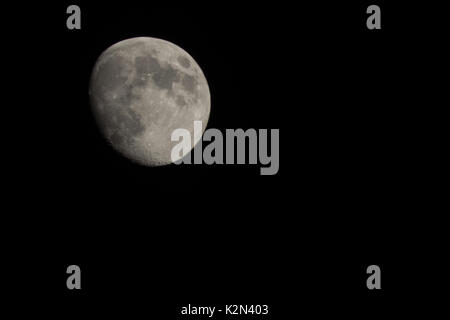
(141, 90)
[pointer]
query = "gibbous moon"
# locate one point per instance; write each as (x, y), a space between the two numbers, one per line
(141, 90)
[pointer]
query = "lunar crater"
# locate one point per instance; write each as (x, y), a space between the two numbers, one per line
(184, 61)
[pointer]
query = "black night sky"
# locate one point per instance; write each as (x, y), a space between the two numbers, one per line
(152, 239)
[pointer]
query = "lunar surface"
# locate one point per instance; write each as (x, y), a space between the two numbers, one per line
(141, 90)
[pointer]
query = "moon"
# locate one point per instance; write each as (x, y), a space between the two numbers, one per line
(141, 90)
